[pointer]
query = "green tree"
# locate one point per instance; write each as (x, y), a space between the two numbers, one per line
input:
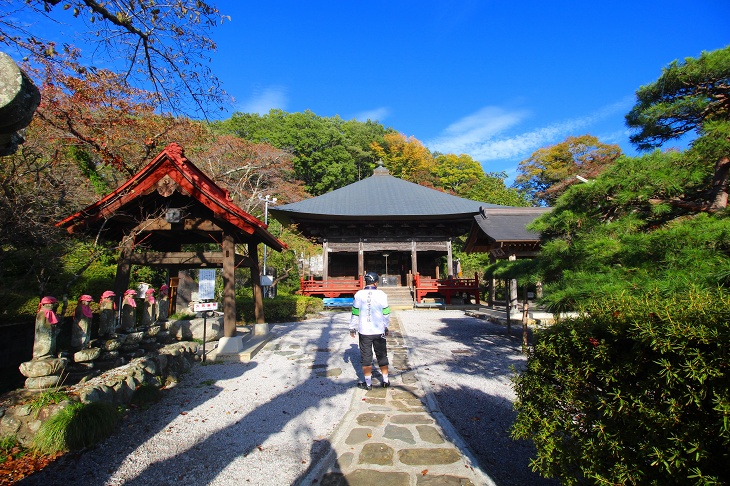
(490, 188)
(635, 389)
(614, 236)
(465, 177)
(454, 171)
(329, 153)
(551, 170)
(690, 96)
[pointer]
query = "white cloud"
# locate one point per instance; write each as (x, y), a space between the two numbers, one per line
(265, 100)
(483, 135)
(376, 114)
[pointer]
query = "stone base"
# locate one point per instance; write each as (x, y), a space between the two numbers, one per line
(261, 329)
(230, 345)
(250, 345)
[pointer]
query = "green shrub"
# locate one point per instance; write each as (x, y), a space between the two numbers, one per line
(145, 395)
(282, 308)
(637, 391)
(75, 427)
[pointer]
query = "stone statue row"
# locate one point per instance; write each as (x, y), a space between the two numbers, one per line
(47, 364)
(152, 312)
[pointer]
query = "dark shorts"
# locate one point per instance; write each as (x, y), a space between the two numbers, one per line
(368, 342)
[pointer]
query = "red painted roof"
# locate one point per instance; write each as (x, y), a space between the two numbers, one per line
(172, 162)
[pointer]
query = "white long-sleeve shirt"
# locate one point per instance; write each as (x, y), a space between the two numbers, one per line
(370, 311)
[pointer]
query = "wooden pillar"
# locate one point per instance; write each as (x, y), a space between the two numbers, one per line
(360, 260)
(124, 268)
(492, 285)
(525, 315)
(414, 258)
(229, 286)
(513, 287)
(258, 293)
(325, 261)
(449, 260)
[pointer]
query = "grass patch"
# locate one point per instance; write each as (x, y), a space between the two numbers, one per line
(207, 382)
(209, 362)
(75, 427)
(10, 448)
(46, 397)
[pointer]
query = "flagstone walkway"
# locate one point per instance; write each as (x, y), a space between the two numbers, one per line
(396, 436)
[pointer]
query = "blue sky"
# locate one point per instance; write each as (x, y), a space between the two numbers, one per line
(493, 79)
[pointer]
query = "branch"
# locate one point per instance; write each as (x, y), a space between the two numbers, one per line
(703, 207)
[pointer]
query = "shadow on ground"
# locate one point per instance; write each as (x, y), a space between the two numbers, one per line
(455, 356)
(202, 461)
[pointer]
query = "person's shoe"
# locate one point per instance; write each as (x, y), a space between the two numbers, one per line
(385, 384)
(364, 386)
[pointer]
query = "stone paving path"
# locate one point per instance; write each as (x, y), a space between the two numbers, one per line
(396, 436)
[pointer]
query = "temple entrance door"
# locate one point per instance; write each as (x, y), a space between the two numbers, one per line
(392, 266)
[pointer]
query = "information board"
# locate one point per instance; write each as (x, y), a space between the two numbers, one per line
(206, 284)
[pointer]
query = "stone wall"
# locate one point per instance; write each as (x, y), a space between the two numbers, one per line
(116, 386)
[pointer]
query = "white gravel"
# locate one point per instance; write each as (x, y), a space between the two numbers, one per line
(262, 422)
(266, 422)
(468, 363)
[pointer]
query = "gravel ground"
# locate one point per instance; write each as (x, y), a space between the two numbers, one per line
(261, 423)
(467, 363)
(266, 422)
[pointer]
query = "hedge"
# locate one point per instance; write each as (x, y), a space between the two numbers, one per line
(636, 391)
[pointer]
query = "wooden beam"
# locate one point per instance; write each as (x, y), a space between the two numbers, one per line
(188, 224)
(190, 259)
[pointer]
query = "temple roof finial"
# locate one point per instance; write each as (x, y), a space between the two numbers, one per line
(380, 169)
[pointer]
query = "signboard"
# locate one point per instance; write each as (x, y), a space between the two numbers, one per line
(205, 306)
(206, 284)
(266, 280)
(142, 290)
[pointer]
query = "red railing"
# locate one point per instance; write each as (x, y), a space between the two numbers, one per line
(445, 287)
(334, 287)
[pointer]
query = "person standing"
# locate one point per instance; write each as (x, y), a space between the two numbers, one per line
(371, 319)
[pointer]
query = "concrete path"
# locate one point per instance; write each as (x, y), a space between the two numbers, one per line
(396, 436)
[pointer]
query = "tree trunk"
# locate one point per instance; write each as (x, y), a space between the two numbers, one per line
(719, 184)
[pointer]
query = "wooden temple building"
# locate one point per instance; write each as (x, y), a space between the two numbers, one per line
(502, 232)
(401, 230)
(162, 215)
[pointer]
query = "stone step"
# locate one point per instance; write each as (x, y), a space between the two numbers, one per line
(399, 298)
